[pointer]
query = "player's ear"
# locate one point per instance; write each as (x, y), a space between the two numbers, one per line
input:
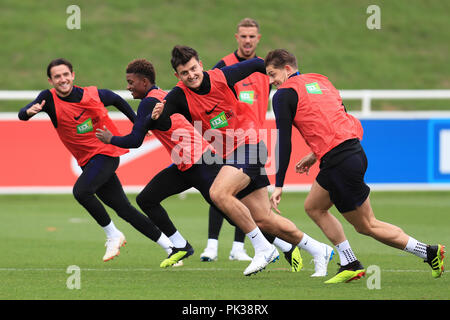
(288, 69)
(177, 75)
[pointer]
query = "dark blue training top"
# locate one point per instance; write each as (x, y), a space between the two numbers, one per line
(284, 104)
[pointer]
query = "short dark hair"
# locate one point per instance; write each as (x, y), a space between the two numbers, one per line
(57, 62)
(142, 67)
(182, 55)
(279, 58)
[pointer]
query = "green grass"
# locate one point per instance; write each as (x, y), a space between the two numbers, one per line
(42, 235)
(328, 37)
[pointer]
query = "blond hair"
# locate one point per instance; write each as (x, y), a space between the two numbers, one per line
(248, 22)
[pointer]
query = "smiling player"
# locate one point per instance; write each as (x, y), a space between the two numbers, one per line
(75, 113)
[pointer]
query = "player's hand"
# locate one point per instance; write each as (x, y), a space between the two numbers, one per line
(35, 108)
(104, 136)
(158, 109)
(275, 199)
(305, 164)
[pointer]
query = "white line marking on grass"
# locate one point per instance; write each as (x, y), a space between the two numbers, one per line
(174, 269)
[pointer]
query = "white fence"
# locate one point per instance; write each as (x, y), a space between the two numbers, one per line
(366, 96)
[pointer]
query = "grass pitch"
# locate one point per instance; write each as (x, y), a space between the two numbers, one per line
(42, 235)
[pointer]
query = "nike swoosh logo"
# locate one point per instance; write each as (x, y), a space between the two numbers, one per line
(247, 84)
(76, 118)
(210, 111)
(268, 258)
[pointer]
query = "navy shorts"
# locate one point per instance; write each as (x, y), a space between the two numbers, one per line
(201, 176)
(345, 182)
(251, 158)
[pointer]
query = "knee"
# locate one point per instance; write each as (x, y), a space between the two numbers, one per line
(81, 194)
(146, 200)
(140, 200)
(216, 195)
(308, 209)
(312, 211)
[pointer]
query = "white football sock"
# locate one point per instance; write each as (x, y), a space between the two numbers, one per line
(282, 245)
(178, 240)
(258, 240)
(111, 230)
(165, 243)
(346, 254)
(417, 248)
(237, 246)
(310, 245)
(212, 244)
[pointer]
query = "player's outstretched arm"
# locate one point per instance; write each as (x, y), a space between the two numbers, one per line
(35, 109)
(242, 70)
(110, 98)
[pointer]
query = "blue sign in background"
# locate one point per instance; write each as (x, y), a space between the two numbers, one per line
(435, 126)
(404, 150)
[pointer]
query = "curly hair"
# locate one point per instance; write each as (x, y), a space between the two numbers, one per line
(144, 68)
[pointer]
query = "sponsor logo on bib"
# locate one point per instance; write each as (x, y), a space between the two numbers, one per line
(247, 96)
(85, 127)
(313, 88)
(219, 121)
